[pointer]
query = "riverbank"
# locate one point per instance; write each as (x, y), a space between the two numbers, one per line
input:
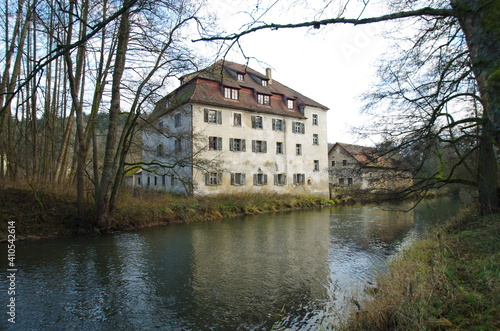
(449, 280)
(49, 213)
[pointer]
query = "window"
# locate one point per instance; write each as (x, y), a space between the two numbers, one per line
(280, 179)
(163, 180)
(241, 77)
(230, 93)
(238, 179)
(315, 139)
(215, 143)
(139, 181)
(259, 146)
(264, 82)
(349, 181)
(172, 180)
(236, 119)
(212, 116)
(159, 150)
(279, 147)
(333, 163)
(213, 178)
(278, 124)
(257, 122)
(237, 145)
(315, 119)
(341, 181)
(177, 120)
(177, 145)
(316, 165)
(155, 180)
(298, 127)
(260, 179)
(298, 149)
(289, 103)
(299, 179)
(344, 163)
(263, 99)
(160, 125)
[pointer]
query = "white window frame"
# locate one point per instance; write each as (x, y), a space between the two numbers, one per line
(236, 119)
(299, 179)
(298, 127)
(231, 93)
(280, 179)
(315, 139)
(263, 99)
(212, 116)
(259, 179)
(278, 124)
(237, 145)
(240, 76)
(213, 178)
(259, 146)
(314, 119)
(290, 104)
(316, 165)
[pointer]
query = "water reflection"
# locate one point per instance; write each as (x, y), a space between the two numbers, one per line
(295, 270)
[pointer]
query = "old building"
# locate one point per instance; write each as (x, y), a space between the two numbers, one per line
(366, 168)
(229, 128)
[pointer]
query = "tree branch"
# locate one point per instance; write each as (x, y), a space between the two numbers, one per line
(427, 11)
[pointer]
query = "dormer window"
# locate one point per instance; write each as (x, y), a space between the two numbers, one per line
(289, 103)
(230, 93)
(264, 82)
(263, 99)
(240, 76)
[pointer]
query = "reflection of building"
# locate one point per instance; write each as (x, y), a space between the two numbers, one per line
(231, 129)
(262, 265)
(366, 168)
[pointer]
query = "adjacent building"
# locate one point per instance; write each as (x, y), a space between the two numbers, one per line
(366, 168)
(229, 128)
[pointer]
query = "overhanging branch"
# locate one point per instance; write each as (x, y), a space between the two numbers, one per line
(427, 11)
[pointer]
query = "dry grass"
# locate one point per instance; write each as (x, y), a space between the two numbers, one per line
(446, 282)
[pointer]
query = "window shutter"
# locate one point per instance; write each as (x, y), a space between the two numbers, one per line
(274, 124)
(243, 179)
(219, 178)
(275, 179)
(205, 116)
(207, 175)
(219, 117)
(253, 145)
(294, 179)
(303, 128)
(284, 179)
(264, 146)
(232, 178)
(219, 143)
(231, 144)
(265, 179)
(284, 125)
(243, 145)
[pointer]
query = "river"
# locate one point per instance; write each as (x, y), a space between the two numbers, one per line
(296, 270)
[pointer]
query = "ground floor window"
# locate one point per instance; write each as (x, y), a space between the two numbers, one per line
(280, 179)
(213, 178)
(238, 179)
(299, 179)
(260, 179)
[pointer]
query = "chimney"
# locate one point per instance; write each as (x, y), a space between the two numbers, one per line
(269, 75)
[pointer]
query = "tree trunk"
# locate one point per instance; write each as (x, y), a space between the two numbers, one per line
(109, 163)
(479, 20)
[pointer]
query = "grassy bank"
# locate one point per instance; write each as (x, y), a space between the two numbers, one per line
(449, 281)
(51, 213)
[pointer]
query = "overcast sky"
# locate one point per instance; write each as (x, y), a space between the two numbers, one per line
(333, 65)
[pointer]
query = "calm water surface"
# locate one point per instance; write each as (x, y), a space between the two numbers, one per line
(297, 270)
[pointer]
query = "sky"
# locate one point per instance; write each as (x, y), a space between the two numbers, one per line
(333, 65)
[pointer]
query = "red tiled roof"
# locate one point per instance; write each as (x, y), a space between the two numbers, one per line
(368, 156)
(204, 87)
